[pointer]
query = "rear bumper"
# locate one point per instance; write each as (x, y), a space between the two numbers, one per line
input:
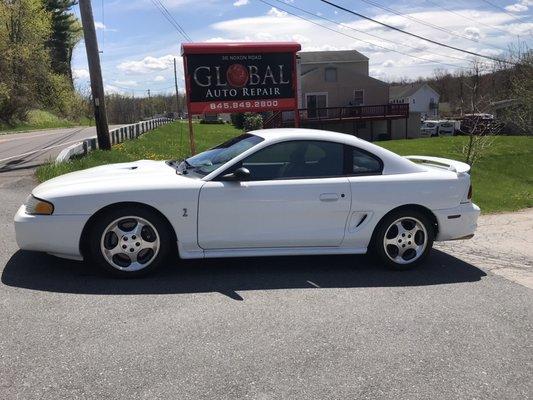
(54, 234)
(458, 222)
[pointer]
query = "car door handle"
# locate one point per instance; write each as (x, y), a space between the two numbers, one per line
(329, 197)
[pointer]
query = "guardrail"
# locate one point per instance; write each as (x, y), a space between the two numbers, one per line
(117, 135)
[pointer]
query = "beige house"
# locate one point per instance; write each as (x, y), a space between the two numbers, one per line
(335, 92)
(338, 78)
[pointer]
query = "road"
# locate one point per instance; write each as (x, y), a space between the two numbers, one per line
(267, 328)
(27, 150)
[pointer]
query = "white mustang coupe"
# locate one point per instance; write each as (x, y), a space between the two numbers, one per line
(264, 193)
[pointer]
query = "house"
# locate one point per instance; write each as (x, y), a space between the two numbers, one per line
(421, 98)
(339, 78)
(336, 92)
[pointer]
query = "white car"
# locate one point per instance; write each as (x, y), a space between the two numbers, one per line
(429, 129)
(264, 193)
(446, 128)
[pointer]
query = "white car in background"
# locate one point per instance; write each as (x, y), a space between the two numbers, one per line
(446, 128)
(429, 129)
(264, 193)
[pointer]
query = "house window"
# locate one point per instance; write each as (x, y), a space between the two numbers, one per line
(413, 101)
(331, 74)
(358, 97)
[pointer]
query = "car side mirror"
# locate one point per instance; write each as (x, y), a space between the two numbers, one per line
(240, 174)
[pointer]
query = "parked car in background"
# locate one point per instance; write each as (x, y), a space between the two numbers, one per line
(265, 193)
(445, 128)
(429, 129)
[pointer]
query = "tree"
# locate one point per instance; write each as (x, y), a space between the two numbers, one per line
(520, 113)
(66, 33)
(480, 130)
(24, 63)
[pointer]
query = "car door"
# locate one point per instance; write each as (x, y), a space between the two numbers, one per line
(297, 195)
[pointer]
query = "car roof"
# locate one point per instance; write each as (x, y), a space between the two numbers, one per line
(304, 133)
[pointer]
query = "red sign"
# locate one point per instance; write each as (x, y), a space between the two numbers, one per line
(239, 77)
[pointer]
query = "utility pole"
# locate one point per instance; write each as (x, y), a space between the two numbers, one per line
(176, 85)
(150, 104)
(95, 72)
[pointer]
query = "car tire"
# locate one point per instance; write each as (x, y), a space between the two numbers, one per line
(129, 242)
(403, 239)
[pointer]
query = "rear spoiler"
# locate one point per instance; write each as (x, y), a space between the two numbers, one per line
(444, 163)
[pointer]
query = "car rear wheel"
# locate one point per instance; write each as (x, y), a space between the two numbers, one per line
(404, 239)
(129, 242)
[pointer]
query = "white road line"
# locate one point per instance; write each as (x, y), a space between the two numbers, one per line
(42, 150)
(36, 136)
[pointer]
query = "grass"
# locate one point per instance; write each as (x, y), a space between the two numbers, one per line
(40, 119)
(502, 179)
(164, 143)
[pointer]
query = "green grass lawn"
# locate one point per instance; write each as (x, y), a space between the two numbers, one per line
(502, 179)
(40, 119)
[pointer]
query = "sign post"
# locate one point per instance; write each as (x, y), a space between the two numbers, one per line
(240, 77)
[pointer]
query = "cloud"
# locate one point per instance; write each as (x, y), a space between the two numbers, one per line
(111, 89)
(240, 3)
(521, 6)
(100, 26)
(276, 25)
(472, 32)
(159, 78)
(274, 12)
(80, 73)
(148, 64)
(126, 83)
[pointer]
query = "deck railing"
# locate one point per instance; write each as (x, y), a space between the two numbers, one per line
(339, 114)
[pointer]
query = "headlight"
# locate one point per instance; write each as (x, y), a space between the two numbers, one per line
(35, 206)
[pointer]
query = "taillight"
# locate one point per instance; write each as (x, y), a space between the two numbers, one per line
(469, 196)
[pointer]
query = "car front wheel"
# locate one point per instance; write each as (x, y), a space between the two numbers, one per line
(129, 242)
(404, 239)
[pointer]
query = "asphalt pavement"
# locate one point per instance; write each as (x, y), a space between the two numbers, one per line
(334, 327)
(30, 149)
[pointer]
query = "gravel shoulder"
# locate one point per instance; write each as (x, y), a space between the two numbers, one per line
(503, 244)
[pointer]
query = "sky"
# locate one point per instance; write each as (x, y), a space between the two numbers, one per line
(138, 45)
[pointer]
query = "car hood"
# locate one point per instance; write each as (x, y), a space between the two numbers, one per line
(130, 176)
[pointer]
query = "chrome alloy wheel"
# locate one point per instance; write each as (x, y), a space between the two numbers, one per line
(130, 243)
(405, 240)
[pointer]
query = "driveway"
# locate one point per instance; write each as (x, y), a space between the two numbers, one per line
(270, 328)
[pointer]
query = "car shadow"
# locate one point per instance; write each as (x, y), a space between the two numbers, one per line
(38, 271)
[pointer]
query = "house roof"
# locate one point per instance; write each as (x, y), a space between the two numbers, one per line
(402, 91)
(309, 57)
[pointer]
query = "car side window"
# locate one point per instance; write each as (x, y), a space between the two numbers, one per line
(364, 163)
(296, 159)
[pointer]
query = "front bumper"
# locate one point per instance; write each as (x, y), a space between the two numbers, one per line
(55, 234)
(458, 222)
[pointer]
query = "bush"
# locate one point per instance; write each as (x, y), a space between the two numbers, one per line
(237, 120)
(252, 122)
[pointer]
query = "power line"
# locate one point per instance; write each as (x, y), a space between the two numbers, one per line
(168, 16)
(428, 24)
(499, 8)
(415, 35)
(362, 40)
(464, 16)
(366, 33)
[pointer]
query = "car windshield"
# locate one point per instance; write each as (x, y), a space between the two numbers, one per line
(211, 159)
